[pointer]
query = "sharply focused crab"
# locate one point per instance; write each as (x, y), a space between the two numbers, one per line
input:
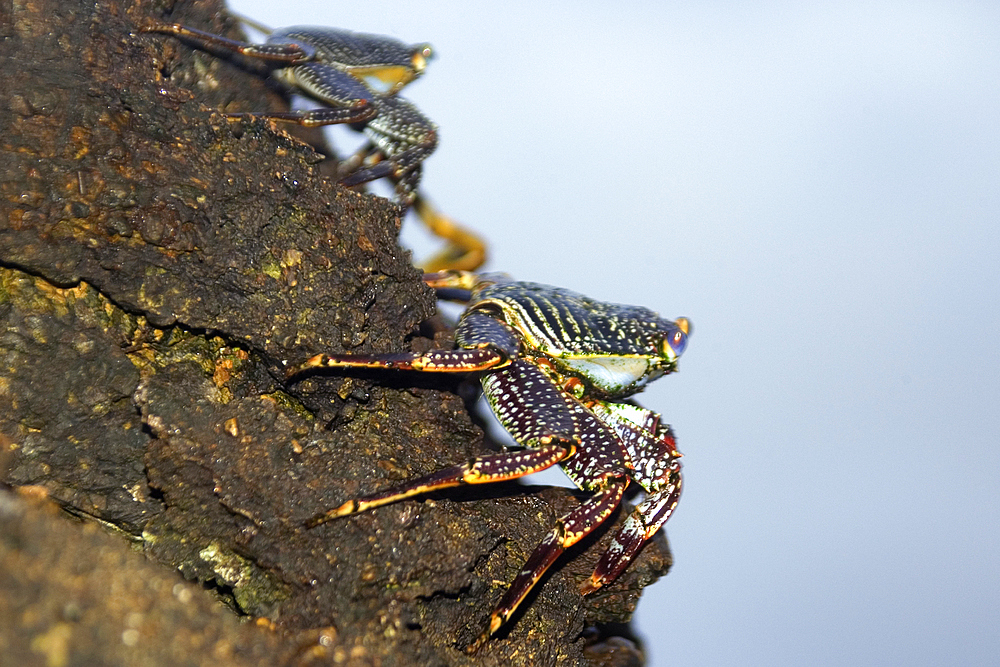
(555, 368)
(356, 76)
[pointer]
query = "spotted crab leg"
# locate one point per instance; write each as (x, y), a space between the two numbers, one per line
(569, 529)
(480, 470)
(652, 450)
(641, 525)
(353, 105)
(484, 344)
(542, 418)
(284, 54)
(593, 472)
(405, 138)
(438, 361)
(314, 117)
(547, 429)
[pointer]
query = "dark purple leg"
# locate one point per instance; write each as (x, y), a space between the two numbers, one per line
(434, 361)
(284, 54)
(569, 530)
(484, 343)
(480, 470)
(358, 113)
(641, 525)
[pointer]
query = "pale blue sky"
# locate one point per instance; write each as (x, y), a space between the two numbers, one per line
(816, 186)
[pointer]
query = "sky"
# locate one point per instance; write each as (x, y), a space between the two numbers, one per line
(815, 185)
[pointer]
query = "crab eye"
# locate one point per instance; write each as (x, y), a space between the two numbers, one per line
(677, 340)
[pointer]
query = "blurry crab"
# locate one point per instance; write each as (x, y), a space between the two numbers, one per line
(556, 368)
(356, 78)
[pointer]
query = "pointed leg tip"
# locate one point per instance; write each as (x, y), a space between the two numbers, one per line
(474, 647)
(308, 364)
(161, 27)
(591, 585)
(495, 623)
(350, 507)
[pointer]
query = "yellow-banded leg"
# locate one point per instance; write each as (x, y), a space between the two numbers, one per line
(485, 343)
(539, 416)
(641, 525)
(570, 529)
(278, 54)
(466, 251)
(435, 361)
(480, 470)
(652, 448)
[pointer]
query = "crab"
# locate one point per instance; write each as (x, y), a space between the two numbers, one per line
(356, 77)
(557, 369)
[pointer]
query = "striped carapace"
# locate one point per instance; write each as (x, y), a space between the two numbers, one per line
(556, 367)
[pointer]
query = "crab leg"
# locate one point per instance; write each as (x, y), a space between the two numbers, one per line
(298, 63)
(547, 431)
(465, 250)
(287, 54)
(452, 280)
(314, 117)
(641, 525)
(350, 101)
(480, 470)
(651, 449)
(438, 361)
(569, 530)
(485, 343)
